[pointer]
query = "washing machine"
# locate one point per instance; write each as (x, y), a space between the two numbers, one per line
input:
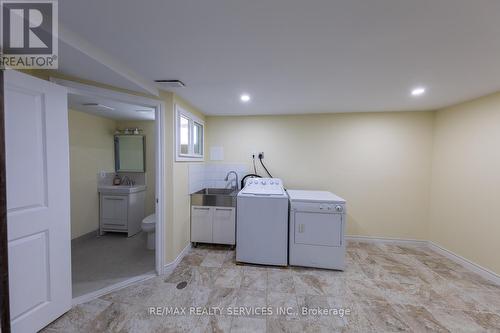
(262, 223)
(317, 227)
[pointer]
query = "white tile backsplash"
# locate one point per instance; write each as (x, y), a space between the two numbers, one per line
(217, 153)
(105, 178)
(202, 175)
(196, 177)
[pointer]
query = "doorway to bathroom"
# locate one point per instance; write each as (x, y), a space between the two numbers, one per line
(115, 167)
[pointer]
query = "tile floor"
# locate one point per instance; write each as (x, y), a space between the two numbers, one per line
(98, 262)
(386, 288)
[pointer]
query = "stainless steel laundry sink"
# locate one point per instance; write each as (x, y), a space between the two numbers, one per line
(216, 197)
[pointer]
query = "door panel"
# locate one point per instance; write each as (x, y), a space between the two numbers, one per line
(33, 292)
(201, 224)
(114, 224)
(224, 226)
(314, 228)
(114, 207)
(24, 149)
(38, 217)
(262, 230)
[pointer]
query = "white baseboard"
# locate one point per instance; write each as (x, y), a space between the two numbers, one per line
(114, 287)
(169, 268)
(478, 269)
(401, 241)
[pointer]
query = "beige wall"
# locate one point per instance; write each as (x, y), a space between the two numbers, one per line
(379, 162)
(91, 151)
(168, 99)
(181, 199)
(465, 196)
(149, 133)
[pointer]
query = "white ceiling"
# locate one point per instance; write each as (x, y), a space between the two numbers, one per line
(76, 63)
(296, 56)
(119, 111)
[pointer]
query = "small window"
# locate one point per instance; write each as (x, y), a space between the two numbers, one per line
(189, 136)
(197, 138)
(184, 133)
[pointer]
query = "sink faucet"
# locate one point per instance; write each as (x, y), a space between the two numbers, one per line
(235, 175)
(127, 181)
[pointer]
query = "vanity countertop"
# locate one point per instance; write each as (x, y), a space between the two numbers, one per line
(121, 189)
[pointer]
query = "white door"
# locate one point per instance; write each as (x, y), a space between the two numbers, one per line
(224, 226)
(201, 224)
(314, 228)
(38, 216)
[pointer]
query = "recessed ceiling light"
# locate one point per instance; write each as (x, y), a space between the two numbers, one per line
(144, 111)
(418, 91)
(245, 98)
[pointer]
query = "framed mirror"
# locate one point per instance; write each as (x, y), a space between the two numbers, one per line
(130, 153)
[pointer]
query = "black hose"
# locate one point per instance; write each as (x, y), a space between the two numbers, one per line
(265, 167)
(254, 168)
(249, 175)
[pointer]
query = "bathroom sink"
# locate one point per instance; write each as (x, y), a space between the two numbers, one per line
(121, 189)
(220, 197)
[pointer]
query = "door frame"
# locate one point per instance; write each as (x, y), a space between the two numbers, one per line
(159, 106)
(4, 265)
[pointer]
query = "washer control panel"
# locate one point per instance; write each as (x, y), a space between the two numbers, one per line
(264, 182)
(263, 186)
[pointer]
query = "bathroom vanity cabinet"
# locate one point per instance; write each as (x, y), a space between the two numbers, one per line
(216, 225)
(121, 209)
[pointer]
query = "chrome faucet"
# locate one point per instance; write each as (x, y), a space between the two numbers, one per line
(236, 176)
(127, 181)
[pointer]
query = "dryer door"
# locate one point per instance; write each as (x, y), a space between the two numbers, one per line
(314, 228)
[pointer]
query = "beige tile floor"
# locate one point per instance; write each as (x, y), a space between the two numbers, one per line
(386, 288)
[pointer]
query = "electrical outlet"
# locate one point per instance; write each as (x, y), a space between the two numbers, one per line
(261, 155)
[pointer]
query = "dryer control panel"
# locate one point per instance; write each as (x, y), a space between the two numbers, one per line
(331, 207)
(319, 207)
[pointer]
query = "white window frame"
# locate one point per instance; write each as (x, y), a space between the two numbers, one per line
(190, 156)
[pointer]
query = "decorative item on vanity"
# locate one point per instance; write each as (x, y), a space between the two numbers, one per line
(317, 226)
(130, 131)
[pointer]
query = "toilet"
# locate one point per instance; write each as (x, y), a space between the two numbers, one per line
(148, 225)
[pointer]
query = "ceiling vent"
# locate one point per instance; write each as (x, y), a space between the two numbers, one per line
(97, 106)
(171, 83)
